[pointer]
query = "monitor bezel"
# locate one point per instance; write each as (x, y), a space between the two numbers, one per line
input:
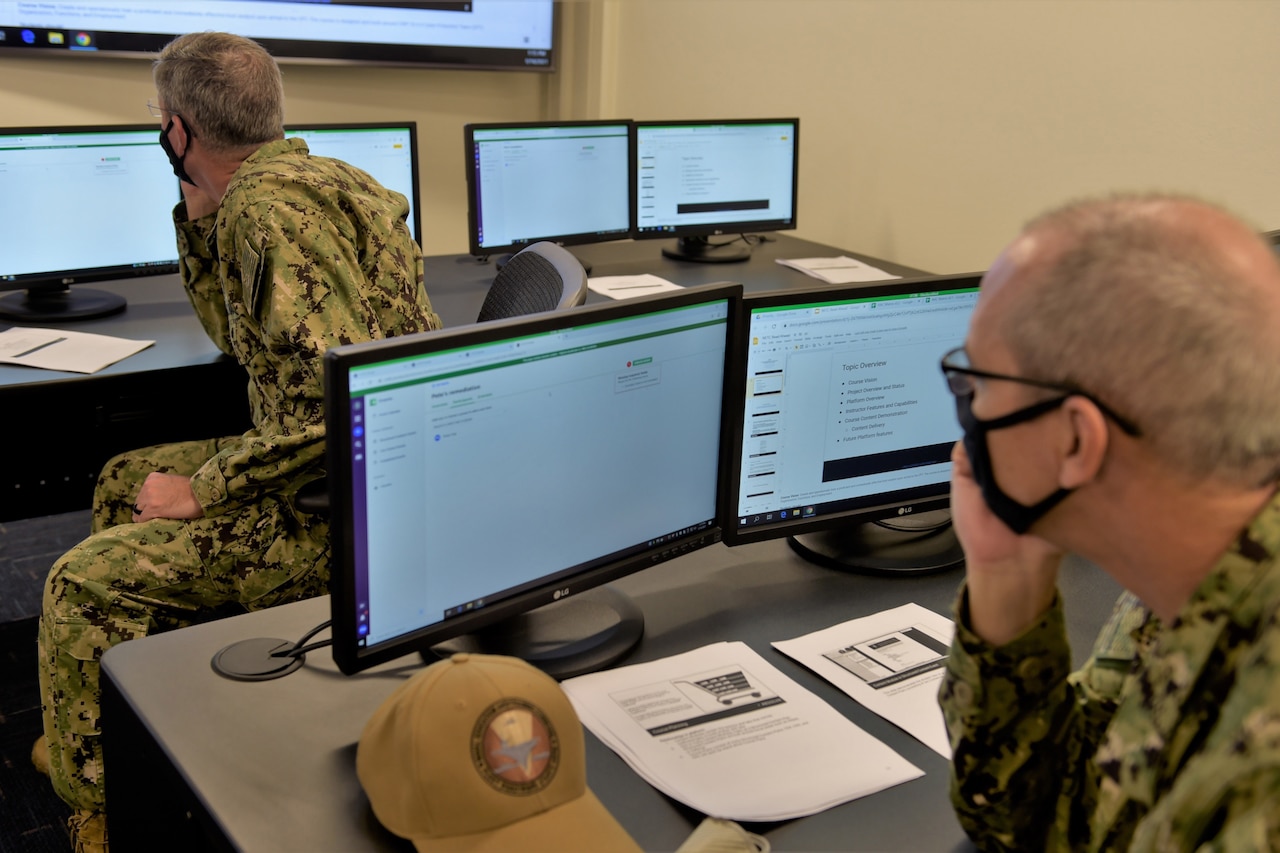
(349, 656)
(473, 187)
(908, 502)
(120, 44)
(713, 229)
(412, 126)
(55, 280)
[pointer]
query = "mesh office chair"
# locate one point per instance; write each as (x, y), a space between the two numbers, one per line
(540, 277)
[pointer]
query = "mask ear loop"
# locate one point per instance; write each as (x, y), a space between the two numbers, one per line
(178, 163)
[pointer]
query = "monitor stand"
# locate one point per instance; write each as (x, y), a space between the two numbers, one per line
(574, 636)
(580, 634)
(57, 305)
(917, 544)
(702, 250)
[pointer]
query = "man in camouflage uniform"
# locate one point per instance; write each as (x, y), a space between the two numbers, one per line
(283, 256)
(1120, 393)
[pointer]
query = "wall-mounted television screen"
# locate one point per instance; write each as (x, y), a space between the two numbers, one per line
(467, 34)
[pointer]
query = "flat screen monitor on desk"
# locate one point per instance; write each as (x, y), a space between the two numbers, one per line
(565, 182)
(387, 151)
(477, 475)
(698, 180)
(842, 426)
(81, 205)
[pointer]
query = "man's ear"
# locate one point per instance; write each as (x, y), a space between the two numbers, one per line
(1084, 442)
(179, 137)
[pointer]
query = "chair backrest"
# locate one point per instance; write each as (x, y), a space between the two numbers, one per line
(540, 277)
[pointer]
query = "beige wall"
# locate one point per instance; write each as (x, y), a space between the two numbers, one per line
(930, 129)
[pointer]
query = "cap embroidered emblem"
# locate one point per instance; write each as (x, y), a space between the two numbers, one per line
(514, 747)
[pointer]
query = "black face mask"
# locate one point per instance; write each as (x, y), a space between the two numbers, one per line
(174, 160)
(1017, 517)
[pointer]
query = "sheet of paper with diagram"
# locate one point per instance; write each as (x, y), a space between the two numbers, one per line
(892, 662)
(713, 727)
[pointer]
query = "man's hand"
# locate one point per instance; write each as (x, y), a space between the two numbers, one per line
(1011, 579)
(166, 496)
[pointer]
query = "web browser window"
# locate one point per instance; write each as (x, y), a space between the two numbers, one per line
(85, 200)
(845, 400)
(702, 174)
(479, 471)
(547, 182)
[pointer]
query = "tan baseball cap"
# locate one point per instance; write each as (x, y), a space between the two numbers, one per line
(484, 753)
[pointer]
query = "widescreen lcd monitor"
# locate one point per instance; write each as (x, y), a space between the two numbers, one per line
(478, 474)
(842, 426)
(700, 180)
(564, 182)
(387, 151)
(94, 204)
(474, 34)
(80, 205)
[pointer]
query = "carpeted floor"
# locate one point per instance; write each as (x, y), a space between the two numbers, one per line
(32, 818)
(27, 549)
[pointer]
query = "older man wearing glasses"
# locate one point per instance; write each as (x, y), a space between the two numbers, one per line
(1119, 392)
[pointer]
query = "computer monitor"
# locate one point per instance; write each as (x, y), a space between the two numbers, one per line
(453, 34)
(565, 182)
(94, 203)
(701, 179)
(478, 474)
(80, 205)
(841, 426)
(387, 151)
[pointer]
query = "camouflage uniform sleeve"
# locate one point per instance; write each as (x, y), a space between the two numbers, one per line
(300, 291)
(197, 264)
(1226, 804)
(1009, 712)
(1227, 797)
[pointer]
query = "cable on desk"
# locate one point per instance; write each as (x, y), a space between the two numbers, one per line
(300, 649)
(265, 658)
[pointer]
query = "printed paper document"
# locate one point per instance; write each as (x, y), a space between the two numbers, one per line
(724, 732)
(626, 286)
(891, 662)
(56, 349)
(841, 270)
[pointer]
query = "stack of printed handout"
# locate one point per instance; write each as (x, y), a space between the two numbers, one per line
(841, 270)
(891, 662)
(57, 349)
(715, 727)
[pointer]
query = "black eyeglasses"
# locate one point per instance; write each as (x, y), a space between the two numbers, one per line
(961, 381)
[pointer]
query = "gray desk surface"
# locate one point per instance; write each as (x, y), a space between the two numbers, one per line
(184, 388)
(158, 309)
(291, 743)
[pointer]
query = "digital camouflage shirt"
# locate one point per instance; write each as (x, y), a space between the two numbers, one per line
(303, 253)
(1167, 739)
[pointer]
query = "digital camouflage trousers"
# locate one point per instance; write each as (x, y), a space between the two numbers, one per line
(128, 580)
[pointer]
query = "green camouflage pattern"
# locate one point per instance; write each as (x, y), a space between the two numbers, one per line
(1167, 739)
(302, 254)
